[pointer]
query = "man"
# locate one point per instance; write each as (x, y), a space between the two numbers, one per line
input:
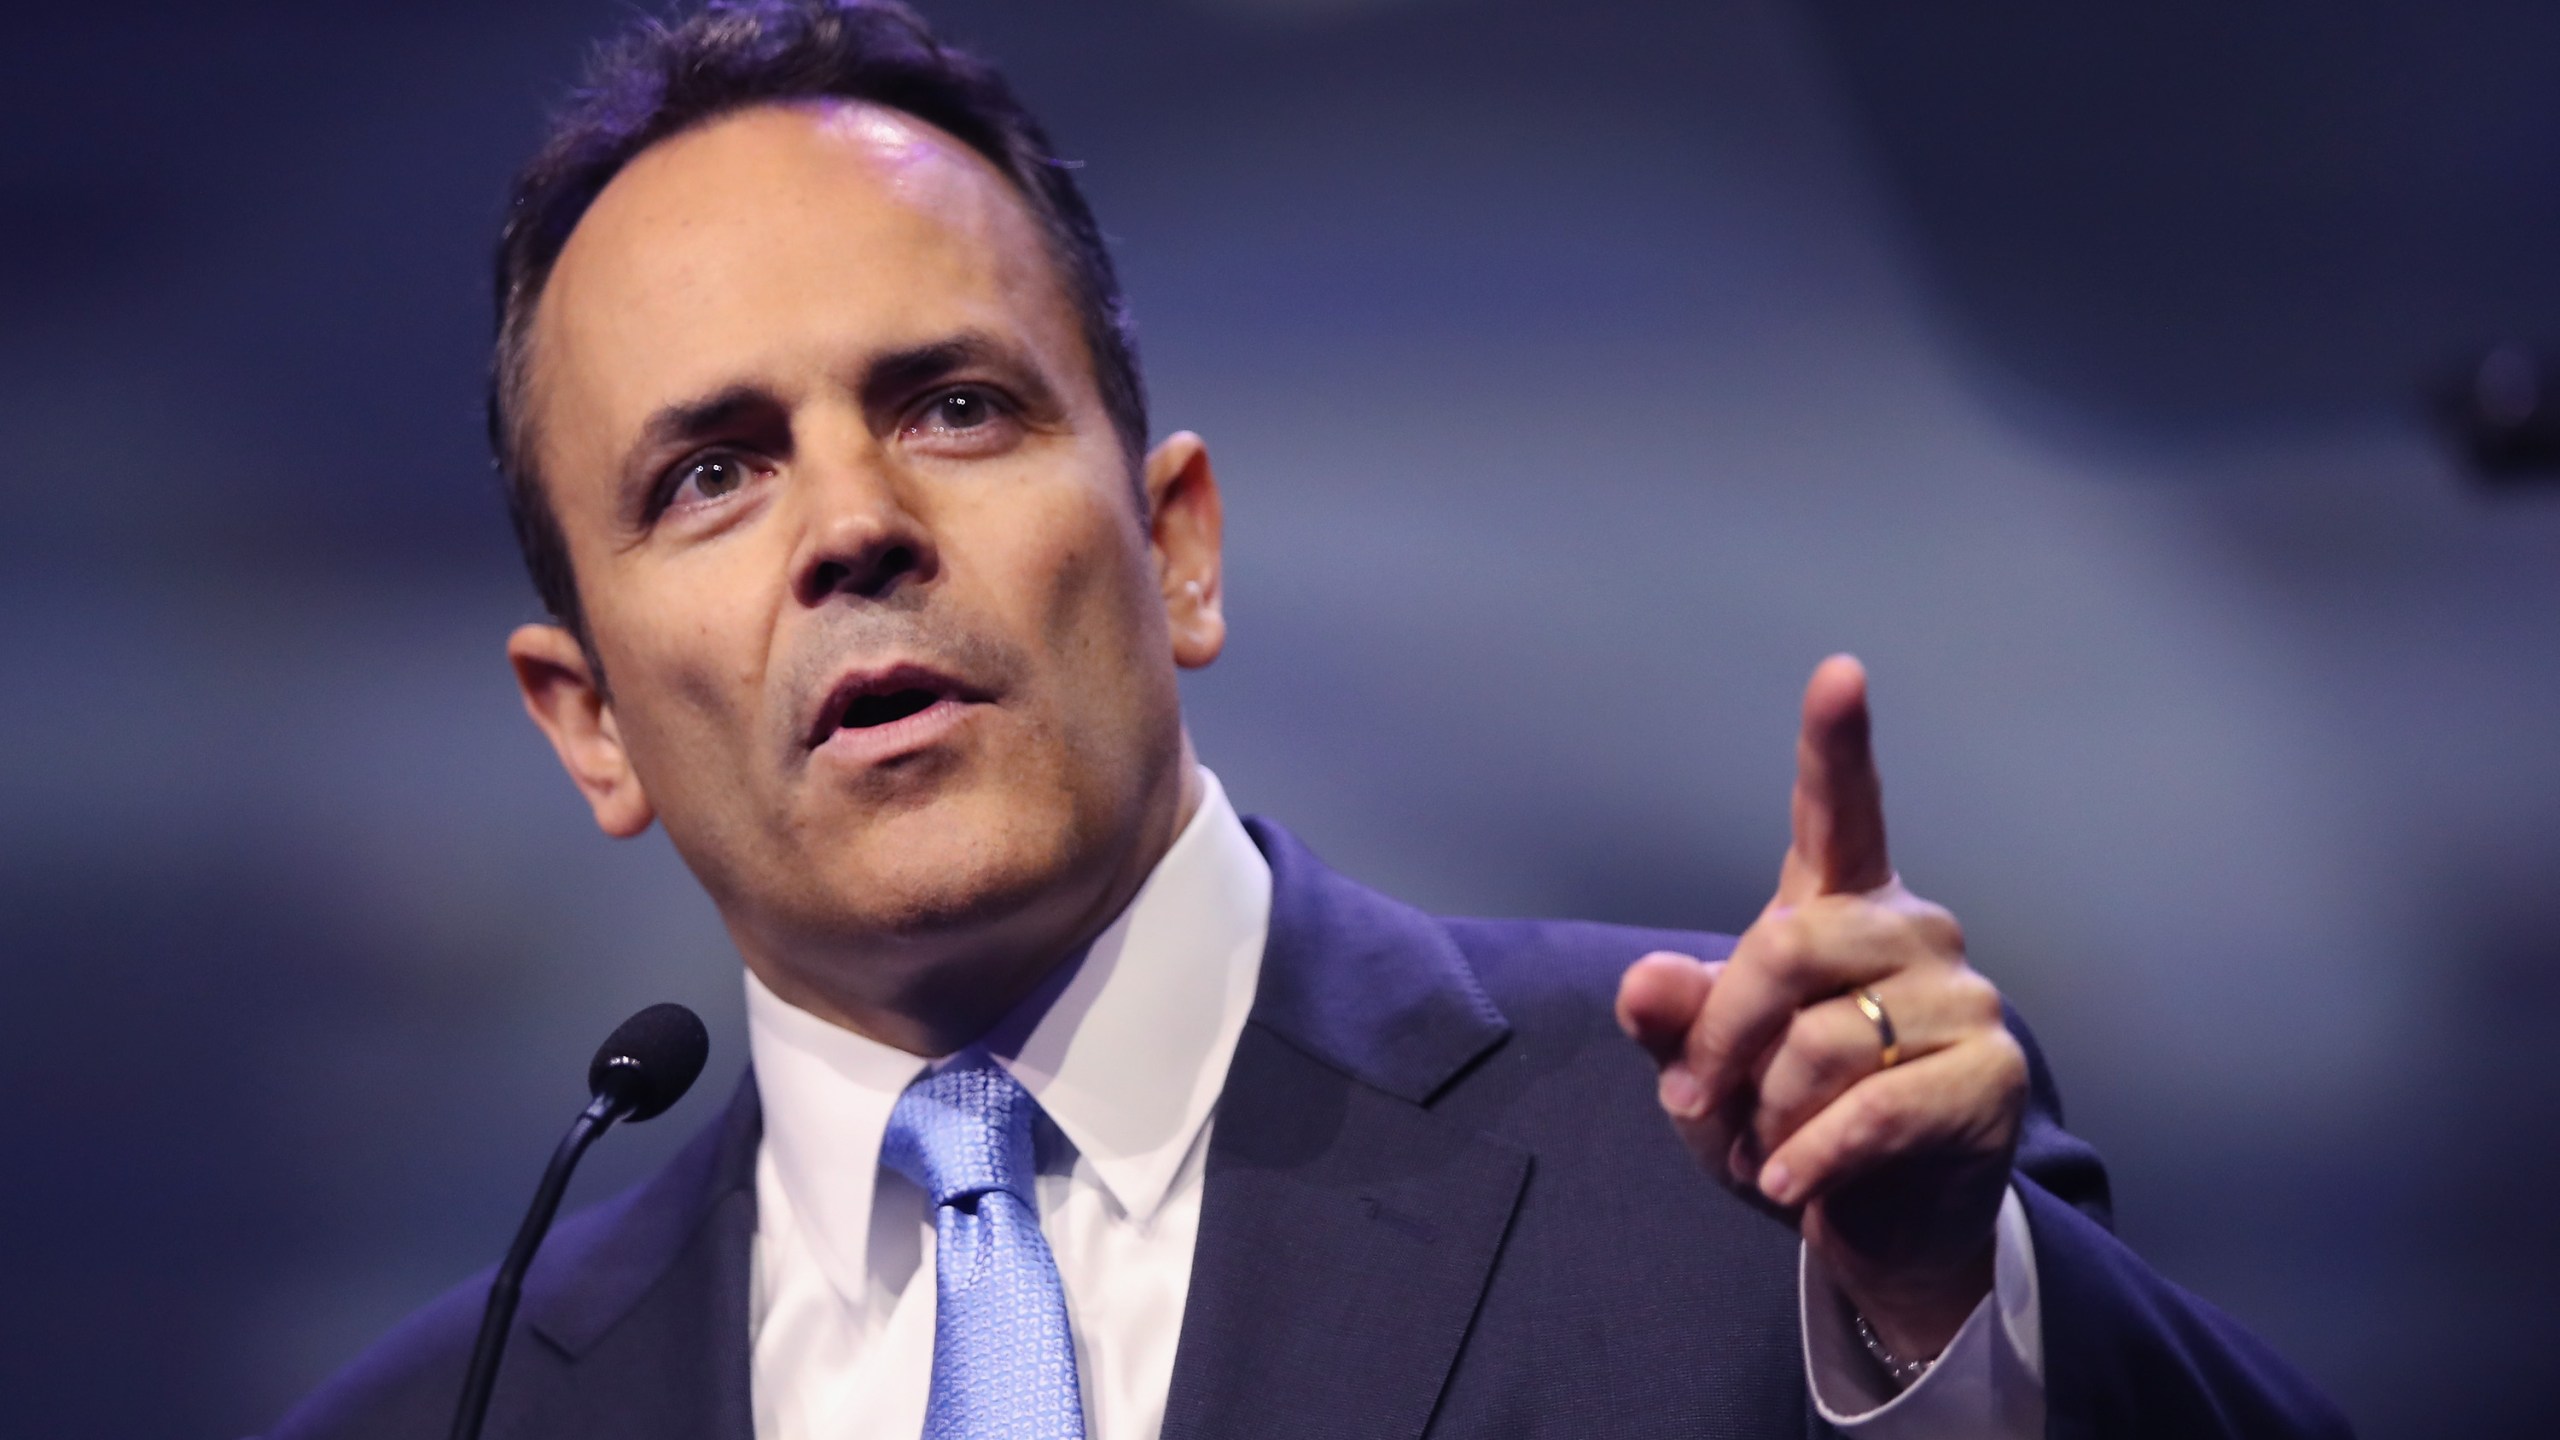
(1078, 1106)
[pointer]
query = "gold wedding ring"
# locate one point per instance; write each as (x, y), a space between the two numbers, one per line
(1871, 1005)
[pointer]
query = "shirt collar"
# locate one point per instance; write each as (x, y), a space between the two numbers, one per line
(1126, 1052)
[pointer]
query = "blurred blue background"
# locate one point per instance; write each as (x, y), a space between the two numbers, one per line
(1579, 374)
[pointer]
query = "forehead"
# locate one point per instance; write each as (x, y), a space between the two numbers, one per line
(779, 237)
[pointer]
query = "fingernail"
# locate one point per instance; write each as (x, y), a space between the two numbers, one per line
(1682, 1095)
(1777, 1183)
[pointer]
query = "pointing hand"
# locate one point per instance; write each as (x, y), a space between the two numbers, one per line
(1845, 1067)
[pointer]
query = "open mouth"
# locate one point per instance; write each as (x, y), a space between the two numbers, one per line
(869, 701)
(868, 711)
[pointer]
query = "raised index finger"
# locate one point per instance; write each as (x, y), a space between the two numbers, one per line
(1837, 846)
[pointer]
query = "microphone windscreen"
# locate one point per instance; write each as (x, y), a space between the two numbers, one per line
(650, 1060)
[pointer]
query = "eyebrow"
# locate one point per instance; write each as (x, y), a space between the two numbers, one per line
(891, 378)
(688, 422)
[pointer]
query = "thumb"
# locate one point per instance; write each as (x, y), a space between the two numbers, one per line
(1837, 842)
(1659, 998)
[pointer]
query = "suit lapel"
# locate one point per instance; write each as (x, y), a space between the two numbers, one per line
(1347, 1232)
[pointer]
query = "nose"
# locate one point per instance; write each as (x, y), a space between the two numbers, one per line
(863, 538)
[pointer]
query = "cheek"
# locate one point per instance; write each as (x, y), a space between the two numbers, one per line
(1098, 598)
(1077, 587)
(687, 678)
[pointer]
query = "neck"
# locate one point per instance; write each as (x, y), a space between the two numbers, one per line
(934, 995)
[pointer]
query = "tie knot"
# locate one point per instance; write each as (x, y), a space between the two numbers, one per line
(962, 1132)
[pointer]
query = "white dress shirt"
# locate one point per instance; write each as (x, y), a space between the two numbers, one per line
(1126, 1052)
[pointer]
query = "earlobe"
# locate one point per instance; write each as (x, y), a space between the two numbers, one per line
(563, 695)
(1186, 528)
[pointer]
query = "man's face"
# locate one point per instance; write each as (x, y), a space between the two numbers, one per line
(888, 636)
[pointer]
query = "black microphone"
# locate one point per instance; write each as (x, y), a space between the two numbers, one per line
(645, 1066)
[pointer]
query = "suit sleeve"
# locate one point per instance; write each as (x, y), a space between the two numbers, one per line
(2126, 1352)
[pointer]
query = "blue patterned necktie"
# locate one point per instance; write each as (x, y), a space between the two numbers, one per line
(1004, 1363)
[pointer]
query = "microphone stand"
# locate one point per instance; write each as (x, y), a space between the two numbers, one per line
(508, 1286)
(645, 1065)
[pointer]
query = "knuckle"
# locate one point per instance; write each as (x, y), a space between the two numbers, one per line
(2009, 1065)
(1978, 1000)
(1864, 1124)
(1937, 927)
(1804, 1038)
(1830, 1060)
(1784, 946)
(1822, 1070)
(1783, 1112)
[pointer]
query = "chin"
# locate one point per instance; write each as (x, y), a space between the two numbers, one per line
(971, 865)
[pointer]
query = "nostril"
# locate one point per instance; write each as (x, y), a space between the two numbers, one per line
(894, 564)
(871, 574)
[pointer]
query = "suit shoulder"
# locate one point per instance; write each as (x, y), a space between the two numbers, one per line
(590, 1269)
(1537, 963)
(405, 1384)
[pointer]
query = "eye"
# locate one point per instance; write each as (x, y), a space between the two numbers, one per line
(959, 410)
(707, 477)
(964, 420)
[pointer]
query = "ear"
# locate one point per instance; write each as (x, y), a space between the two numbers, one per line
(1186, 525)
(563, 694)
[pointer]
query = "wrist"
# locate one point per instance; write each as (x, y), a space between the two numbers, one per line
(1907, 1319)
(1901, 1372)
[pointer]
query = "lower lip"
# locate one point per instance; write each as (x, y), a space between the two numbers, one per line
(877, 743)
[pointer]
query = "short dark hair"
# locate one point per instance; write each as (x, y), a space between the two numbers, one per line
(663, 78)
